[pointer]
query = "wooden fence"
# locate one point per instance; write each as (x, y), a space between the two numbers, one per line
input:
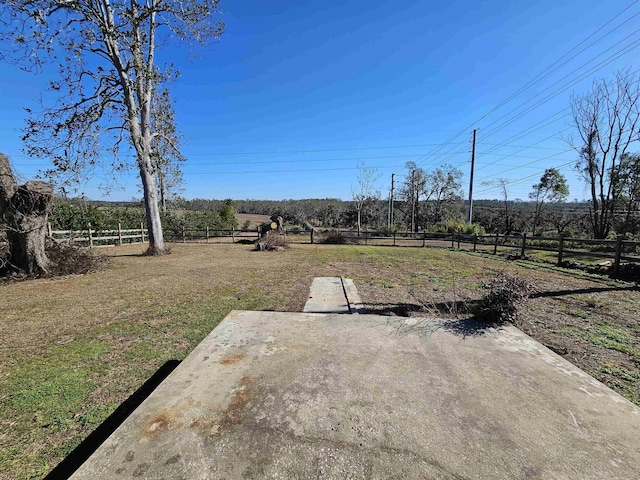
(91, 237)
(558, 249)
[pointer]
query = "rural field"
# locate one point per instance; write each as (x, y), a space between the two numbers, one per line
(75, 348)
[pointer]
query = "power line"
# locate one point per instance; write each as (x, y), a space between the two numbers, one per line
(533, 128)
(522, 179)
(538, 78)
(513, 155)
(516, 146)
(530, 163)
(565, 87)
(549, 69)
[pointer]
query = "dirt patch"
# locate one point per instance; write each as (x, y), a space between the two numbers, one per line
(253, 219)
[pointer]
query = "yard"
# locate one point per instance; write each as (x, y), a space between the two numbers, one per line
(75, 348)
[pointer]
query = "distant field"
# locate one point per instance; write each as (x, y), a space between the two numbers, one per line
(74, 348)
(255, 220)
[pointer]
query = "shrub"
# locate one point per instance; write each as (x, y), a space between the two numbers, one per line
(461, 227)
(500, 304)
(334, 237)
(629, 271)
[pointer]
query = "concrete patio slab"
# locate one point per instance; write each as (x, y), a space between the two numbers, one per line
(306, 396)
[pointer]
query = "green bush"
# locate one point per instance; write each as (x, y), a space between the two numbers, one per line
(73, 215)
(461, 227)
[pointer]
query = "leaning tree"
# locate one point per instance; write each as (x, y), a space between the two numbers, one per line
(109, 69)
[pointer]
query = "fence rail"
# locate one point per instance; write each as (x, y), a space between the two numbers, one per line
(92, 237)
(614, 251)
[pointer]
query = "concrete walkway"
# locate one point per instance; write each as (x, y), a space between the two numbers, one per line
(333, 295)
(334, 396)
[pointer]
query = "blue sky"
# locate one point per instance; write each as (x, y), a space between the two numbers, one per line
(296, 94)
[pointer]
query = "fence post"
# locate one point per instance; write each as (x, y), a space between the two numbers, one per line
(495, 245)
(616, 262)
(365, 237)
(90, 236)
(258, 230)
(184, 234)
(560, 249)
(453, 239)
(119, 234)
(233, 234)
(142, 231)
(524, 242)
(424, 238)
(312, 230)
(394, 238)
(207, 233)
(49, 231)
(475, 241)
(458, 235)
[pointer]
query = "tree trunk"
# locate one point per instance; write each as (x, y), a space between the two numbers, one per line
(154, 224)
(24, 211)
(27, 245)
(163, 201)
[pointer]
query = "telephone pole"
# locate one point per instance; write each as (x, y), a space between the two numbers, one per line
(473, 159)
(390, 210)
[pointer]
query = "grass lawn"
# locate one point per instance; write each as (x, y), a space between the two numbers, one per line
(75, 348)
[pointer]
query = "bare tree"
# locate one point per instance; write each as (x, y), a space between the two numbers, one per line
(165, 154)
(606, 119)
(364, 192)
(411, 191)
(551, 188)
(502, 185)
(108, 71)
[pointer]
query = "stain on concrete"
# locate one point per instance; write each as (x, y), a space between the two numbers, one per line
(141, 470)
(129, 456)
(234, 412)
(157, 424)
(172, 460)
(232, 359)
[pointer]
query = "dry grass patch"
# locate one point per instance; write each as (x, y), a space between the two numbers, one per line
(75, 348)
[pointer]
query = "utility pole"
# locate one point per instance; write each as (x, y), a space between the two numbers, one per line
(413, 201)
(390, 212)
(473, 159)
